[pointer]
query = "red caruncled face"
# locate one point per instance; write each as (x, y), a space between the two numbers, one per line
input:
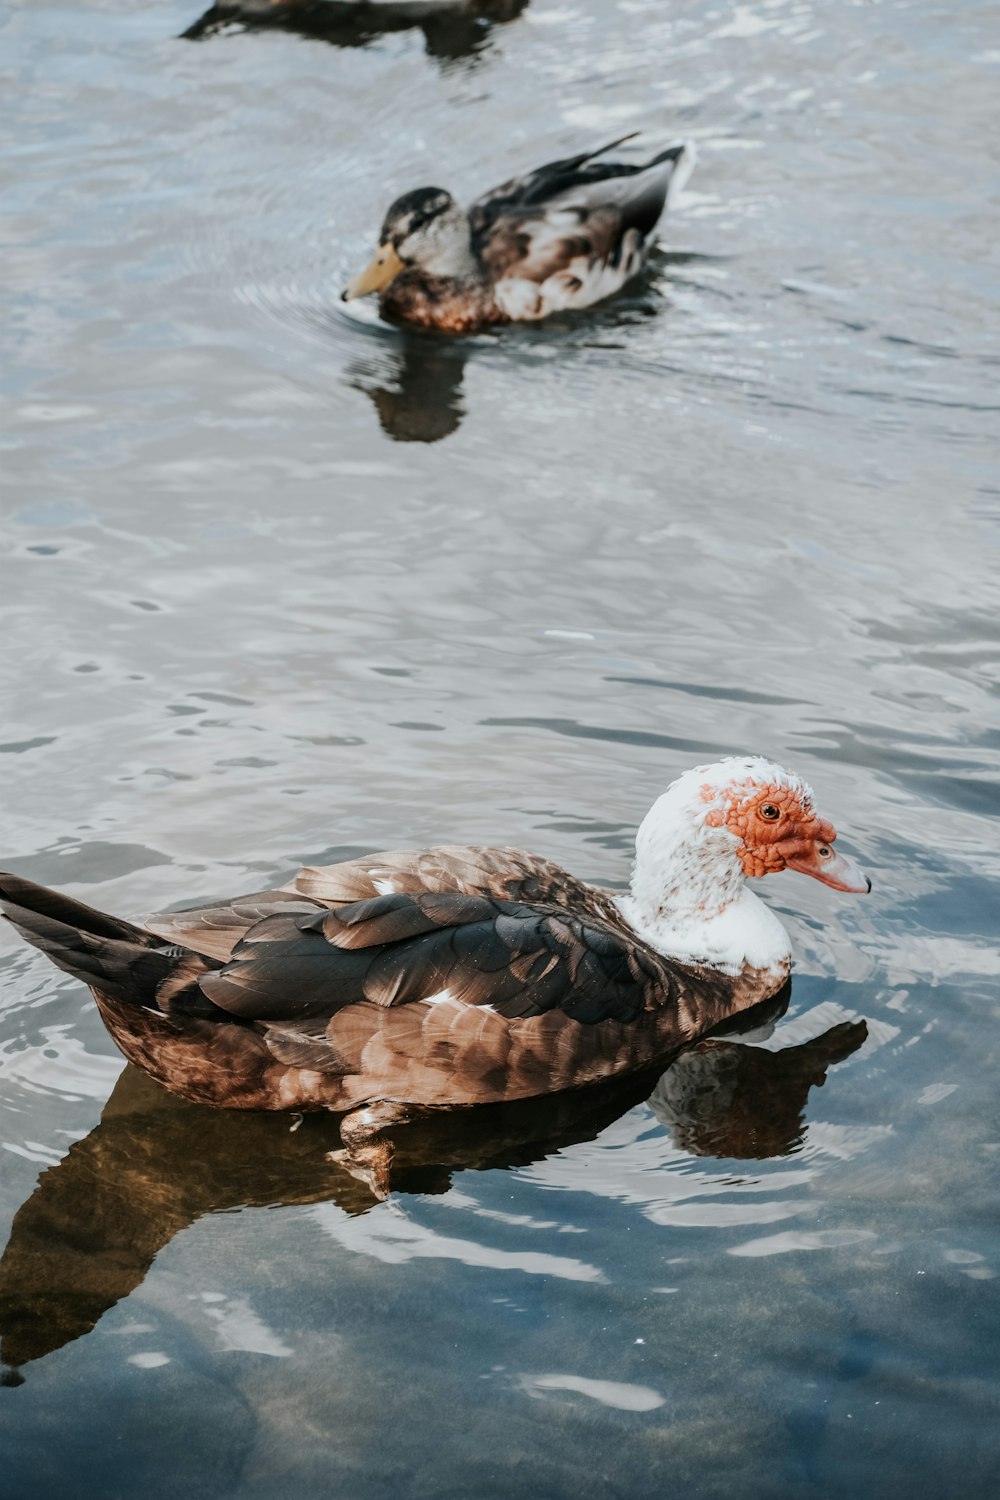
(778, 829)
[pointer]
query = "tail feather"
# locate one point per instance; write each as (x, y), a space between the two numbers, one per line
(608, 146)
(108, 953)
(683, 155)
(40, 901)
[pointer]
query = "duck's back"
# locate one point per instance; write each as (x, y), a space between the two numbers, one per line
(572, 232)
(441, 977)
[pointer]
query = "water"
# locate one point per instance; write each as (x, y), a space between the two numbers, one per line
(281, 584)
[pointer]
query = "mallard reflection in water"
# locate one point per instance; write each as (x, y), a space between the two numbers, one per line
(451, 28)
(155, 1164)
(415, 386)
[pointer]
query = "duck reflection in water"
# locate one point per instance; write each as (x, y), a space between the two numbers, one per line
(155, 1163)
(415, 385)
(451, 28)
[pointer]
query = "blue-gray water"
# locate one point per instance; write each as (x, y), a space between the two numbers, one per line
(279, 582)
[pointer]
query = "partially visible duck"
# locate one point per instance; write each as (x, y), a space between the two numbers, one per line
(452, 28)
(562, 237)
(416, 980)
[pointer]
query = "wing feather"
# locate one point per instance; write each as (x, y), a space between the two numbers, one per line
(215, 930)
(293, 968)
(576, 211)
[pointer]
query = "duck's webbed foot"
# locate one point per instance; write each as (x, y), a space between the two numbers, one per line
(368, 1147)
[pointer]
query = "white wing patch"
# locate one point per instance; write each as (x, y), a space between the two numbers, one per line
(521, 300)
(580, 283)
(443, 997)
(383, 885)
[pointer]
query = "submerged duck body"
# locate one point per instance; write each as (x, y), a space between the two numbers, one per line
(561, 237)
(453, 976)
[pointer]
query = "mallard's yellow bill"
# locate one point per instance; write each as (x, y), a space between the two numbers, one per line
(384, 268)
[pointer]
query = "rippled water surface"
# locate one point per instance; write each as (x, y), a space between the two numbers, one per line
(281, 583)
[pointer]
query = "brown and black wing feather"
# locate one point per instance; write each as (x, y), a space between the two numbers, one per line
(594, 203)
(510, 874)
(400, 949)
(542, 184)
(216, 929)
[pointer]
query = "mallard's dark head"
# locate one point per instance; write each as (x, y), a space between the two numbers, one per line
(418, 228)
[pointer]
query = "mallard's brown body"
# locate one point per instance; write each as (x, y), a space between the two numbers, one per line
(447, 304)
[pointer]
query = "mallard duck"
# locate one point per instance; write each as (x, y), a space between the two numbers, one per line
(561, 237)
(416, 980)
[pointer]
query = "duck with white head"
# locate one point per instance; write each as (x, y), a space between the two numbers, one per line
(711, 829)
(418, 980)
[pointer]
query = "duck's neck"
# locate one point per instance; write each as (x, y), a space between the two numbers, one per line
(447, 248)
(689, 899)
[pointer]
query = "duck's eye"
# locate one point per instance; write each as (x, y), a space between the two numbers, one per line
(824, 851)
(769, 812)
